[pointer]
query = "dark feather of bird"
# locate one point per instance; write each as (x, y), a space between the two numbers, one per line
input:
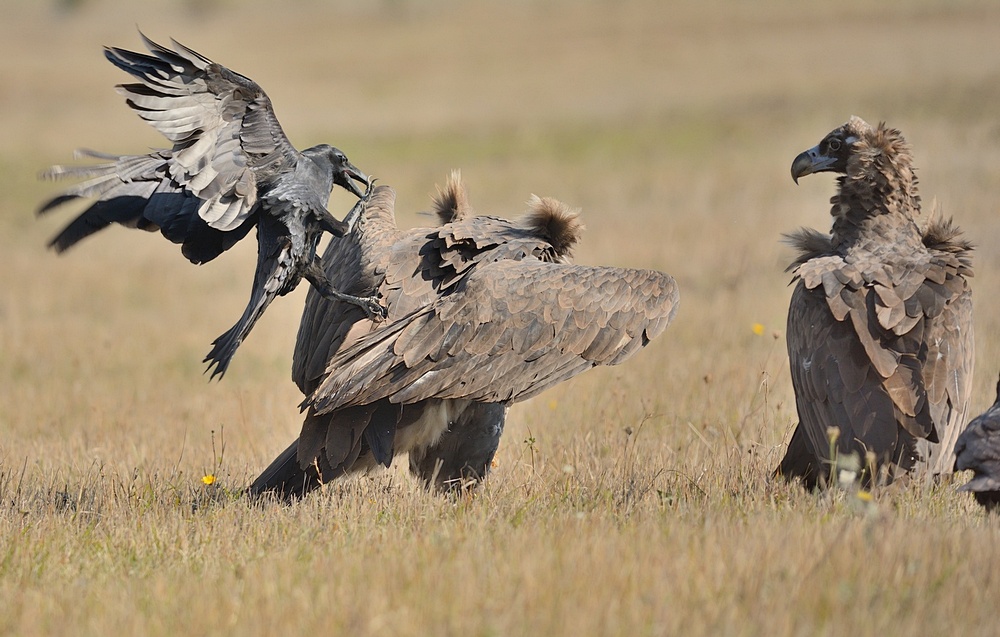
(880, 324)
(482, 312)
(230, 169)
(978, 450)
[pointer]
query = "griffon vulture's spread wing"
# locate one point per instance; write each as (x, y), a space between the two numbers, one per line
(509, 331)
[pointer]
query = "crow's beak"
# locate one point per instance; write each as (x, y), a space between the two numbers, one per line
(350, 174)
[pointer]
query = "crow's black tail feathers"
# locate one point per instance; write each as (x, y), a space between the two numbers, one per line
(275, 269)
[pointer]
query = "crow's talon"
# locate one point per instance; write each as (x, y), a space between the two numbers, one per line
(374, 310)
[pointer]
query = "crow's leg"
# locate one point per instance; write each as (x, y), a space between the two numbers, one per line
(370, 304)
(342, 228)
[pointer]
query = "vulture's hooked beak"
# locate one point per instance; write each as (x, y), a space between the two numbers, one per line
(349, 173)
(809, 162)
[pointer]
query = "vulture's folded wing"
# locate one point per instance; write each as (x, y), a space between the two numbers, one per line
(836, 382)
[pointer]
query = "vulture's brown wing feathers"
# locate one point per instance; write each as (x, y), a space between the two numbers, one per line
(357, 265)
(509, 331)
(863, 354)
(836, 383)
(481, 311)
(950, 362)
(406, 269)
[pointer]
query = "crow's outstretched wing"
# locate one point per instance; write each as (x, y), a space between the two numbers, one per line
(226, 142)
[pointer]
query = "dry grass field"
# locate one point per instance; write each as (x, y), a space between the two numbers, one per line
(634, 500)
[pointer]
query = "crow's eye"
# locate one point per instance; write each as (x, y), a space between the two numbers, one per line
(834, 145)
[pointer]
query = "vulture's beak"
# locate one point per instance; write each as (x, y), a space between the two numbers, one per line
(349, 174)
(809, 162)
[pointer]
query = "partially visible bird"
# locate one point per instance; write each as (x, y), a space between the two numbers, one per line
(230, 168)
(879, 334)
(482, 312)
(978, 449)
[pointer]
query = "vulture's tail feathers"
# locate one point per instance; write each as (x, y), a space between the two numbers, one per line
(285, 478)
(800, 461)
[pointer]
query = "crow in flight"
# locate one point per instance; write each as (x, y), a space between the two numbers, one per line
(230, 169)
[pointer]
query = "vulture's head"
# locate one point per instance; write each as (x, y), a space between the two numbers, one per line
(344, 172)
(834, 151)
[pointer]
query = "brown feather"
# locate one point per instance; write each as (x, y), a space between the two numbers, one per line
(555, 222)
(452, 202)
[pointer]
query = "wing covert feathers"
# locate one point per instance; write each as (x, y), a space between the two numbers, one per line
(508, 332)
(482, 311)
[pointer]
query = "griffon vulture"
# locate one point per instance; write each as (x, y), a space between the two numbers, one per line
(230, 168)
(880, 323)
(482, 312)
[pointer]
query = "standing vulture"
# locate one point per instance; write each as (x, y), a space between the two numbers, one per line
(482, 312)
(230, 168)
(880, 322)
(978, 449)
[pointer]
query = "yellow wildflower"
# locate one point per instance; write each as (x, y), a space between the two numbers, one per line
(208, 479)
(757, 328)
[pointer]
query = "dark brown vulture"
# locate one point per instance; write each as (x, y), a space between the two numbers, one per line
(231, 168)
(978, 449)
(482, 312)
(880, 322)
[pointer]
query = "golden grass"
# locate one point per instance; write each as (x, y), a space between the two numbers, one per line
(672, 125)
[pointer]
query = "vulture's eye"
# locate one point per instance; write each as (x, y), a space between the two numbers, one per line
(834, 144)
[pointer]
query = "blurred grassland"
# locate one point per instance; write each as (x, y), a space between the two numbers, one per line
(631, 500)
